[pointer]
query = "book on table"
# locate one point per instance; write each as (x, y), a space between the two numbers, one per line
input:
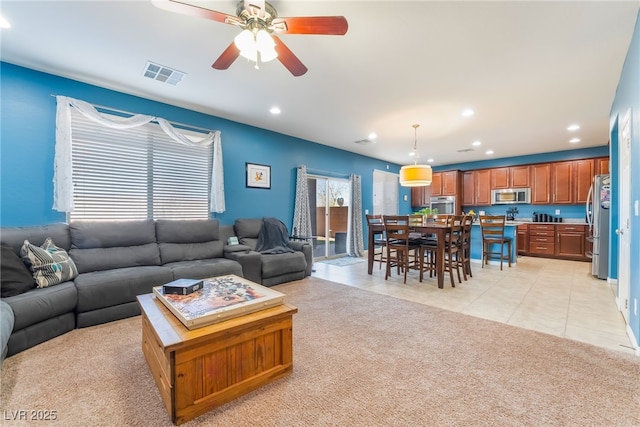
(219, 298)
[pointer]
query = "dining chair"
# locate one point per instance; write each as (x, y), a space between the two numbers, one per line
(465, 250)
(453, 247)
(379, 239)
(402, 251)
(493, 234)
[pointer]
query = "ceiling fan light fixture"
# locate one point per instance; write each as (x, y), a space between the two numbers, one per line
(415, 175)
(250, 45)
(245, 41)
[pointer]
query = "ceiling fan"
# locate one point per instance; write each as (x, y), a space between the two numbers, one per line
(260, 22)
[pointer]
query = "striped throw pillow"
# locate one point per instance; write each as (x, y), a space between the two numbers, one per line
(49, 264)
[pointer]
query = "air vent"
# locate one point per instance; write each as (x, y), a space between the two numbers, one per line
(163, 74)
(365, 141)
(465, 150)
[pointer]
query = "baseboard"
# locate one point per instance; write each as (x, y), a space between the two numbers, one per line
(634, 341)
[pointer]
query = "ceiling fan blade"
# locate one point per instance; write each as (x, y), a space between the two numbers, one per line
(288, 59)
(200, 12)
(229, 55)
(331, 25)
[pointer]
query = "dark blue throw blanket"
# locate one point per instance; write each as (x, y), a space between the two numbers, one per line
(273, 237)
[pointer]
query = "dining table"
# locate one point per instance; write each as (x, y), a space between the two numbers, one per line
(438, 229)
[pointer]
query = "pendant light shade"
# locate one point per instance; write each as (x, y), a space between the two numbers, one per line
(415, 175)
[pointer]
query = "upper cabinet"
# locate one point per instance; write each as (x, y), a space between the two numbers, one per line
(476, 188)
(448, 183)
(541, 184)
(602, 165)
(584, 170)
(511, 177)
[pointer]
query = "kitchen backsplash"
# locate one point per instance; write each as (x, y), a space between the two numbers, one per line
(568, 213)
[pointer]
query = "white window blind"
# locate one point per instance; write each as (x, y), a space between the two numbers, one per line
(137, 173)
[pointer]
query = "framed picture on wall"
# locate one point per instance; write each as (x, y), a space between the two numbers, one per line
(258, 176)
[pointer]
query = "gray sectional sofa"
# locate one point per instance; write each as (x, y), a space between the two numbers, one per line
(116, 261)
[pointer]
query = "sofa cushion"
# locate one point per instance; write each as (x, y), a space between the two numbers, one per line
(248, 230)
(204, 268)
(6, 327)
(40, 304)
(184, 240)
(100, 259)
(187, 231)
(49, 264)
(110, 234)
(276, 264)
(15, 277)
(100, 289)
(15, 236)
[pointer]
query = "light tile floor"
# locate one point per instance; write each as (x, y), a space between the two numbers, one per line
(552, 296)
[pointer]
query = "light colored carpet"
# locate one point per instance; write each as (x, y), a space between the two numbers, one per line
(343, 261)
(360, 359)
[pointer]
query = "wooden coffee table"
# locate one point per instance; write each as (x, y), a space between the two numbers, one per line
(200, 369)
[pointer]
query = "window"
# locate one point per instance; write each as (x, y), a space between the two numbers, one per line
(138, 173)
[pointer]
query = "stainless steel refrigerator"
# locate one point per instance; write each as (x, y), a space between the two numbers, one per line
(598, 204)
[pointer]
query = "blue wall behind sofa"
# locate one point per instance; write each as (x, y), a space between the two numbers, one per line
(28, 140)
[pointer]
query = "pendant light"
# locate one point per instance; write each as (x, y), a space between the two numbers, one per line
(415, 175)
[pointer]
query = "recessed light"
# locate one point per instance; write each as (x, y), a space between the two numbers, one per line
(574, 140)
(488, 152)
(411, 154)
(468, 112)
(275, 110)
(430, 160)
(573, 127)
(372, 135)
(476, 143)
(4, 23)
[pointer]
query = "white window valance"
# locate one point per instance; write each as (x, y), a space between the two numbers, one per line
(63, 167)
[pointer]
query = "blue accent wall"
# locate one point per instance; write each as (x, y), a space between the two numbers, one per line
(628, 97)
(28, 139)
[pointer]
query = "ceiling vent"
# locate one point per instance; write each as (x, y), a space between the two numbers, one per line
(163, 74)
(465, 150)
(365, 141)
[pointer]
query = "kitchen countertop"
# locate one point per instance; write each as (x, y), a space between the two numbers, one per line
(525, 221)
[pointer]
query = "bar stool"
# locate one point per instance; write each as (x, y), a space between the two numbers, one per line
(493, 234)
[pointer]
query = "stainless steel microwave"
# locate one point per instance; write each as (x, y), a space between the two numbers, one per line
(511, 196)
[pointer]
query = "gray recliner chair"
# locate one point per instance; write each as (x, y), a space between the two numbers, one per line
(274, 268)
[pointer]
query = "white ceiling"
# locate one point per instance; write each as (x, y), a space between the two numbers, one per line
(528, 69)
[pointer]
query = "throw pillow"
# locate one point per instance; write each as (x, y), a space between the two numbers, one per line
(15, 277)
(49, 264)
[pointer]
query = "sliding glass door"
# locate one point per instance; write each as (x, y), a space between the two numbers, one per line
(329, 204)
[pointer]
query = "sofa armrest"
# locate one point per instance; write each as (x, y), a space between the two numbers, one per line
(250, 261)
(236, 249)
(307, 250)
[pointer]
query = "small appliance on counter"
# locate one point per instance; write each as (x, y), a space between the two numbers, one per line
(511, 213)
(543, 217)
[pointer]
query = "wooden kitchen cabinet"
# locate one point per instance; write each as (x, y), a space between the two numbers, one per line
(570, 241)
(583, 175)
(522, 239)
(499, 178)
(520, 176)
(476, 189)
(451, 183)
(602, 165)
(420, 197)
(561, 183)
(448, 183)
(541, 184)
(436, 184)
(511, 177)
(542, 239)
